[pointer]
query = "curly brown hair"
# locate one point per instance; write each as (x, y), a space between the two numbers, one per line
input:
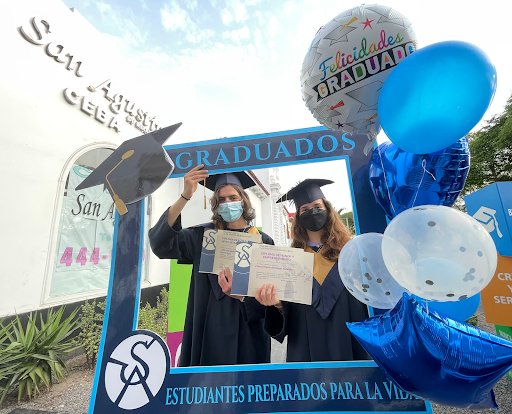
(334, 237)
(248, 212)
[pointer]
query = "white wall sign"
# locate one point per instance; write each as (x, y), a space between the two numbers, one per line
(54, 48)
(117, 102)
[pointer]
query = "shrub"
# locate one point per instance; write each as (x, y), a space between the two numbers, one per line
(156, 319)
(473, 320)
(91, 322)
(31, 355)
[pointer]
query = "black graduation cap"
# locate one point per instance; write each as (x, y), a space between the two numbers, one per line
(240, 178)
(305, 192)
(134, 170)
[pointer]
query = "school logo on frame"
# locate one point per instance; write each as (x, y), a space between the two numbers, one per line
(135, 371)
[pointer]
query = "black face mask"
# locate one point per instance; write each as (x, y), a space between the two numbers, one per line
(313, 219)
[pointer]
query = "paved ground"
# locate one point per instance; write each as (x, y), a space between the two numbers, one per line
(72, 395)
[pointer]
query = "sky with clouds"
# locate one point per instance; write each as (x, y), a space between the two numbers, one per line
(231, 67)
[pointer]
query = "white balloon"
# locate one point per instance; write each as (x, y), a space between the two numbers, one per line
(364, 274)
(439, 253)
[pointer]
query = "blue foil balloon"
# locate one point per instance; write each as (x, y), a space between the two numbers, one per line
(436, 95)
(435, 358)
(459, 311)
(401, 180)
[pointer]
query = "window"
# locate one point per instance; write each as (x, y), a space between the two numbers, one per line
(83, 250)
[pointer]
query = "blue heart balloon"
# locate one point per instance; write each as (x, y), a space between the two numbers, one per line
(435, 358)
(436, 95)
(401, 180)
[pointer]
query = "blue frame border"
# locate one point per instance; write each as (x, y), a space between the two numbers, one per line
(245, 138)
(237, 368)
(139, 270)
(273, 367)
(99, 359)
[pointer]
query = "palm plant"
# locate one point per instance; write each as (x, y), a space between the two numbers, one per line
(31, 355)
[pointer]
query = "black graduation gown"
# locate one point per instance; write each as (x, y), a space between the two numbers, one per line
(219, 330)
(318, 332)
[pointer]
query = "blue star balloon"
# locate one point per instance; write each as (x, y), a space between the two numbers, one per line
(401, 180)
(435, 358)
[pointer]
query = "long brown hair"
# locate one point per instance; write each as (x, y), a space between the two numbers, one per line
(334, 237)
(248, 212)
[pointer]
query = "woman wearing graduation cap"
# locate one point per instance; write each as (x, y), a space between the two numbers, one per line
(219, 329)
(316, 332)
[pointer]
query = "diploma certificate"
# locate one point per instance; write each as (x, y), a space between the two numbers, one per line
(289, 270)
(219, 249)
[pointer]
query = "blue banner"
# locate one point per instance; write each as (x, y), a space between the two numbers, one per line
(299, 146)
(266, 150)
(136, 380)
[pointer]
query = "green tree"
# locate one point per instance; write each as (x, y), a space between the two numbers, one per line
(347, 219)
(491, 152)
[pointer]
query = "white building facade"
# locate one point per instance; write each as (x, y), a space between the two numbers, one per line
(67, 101)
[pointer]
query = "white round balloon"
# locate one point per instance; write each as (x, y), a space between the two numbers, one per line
(364, 274)
(439, 253)
(347, 63)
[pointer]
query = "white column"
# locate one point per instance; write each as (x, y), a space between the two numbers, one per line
(278, 354)
(277, 210)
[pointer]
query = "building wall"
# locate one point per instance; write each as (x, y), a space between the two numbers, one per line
(42, 134)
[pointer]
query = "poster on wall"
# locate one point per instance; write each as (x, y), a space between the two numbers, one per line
(86, 229)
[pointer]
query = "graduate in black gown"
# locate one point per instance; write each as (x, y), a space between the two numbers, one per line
(219, 329)
(316, 332)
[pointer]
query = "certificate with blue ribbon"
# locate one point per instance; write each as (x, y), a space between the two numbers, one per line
(218, 249)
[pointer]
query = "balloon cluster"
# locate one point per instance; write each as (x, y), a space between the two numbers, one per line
(363, 72)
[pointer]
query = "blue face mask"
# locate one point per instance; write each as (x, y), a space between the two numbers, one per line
(231, 211)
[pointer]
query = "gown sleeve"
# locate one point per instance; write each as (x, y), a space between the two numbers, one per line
(276, 322)
(266, 239)
(252, 310)
(174, 242)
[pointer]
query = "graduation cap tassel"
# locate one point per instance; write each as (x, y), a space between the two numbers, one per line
(204, 193)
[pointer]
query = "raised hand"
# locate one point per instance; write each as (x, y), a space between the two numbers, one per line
(192, 179)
